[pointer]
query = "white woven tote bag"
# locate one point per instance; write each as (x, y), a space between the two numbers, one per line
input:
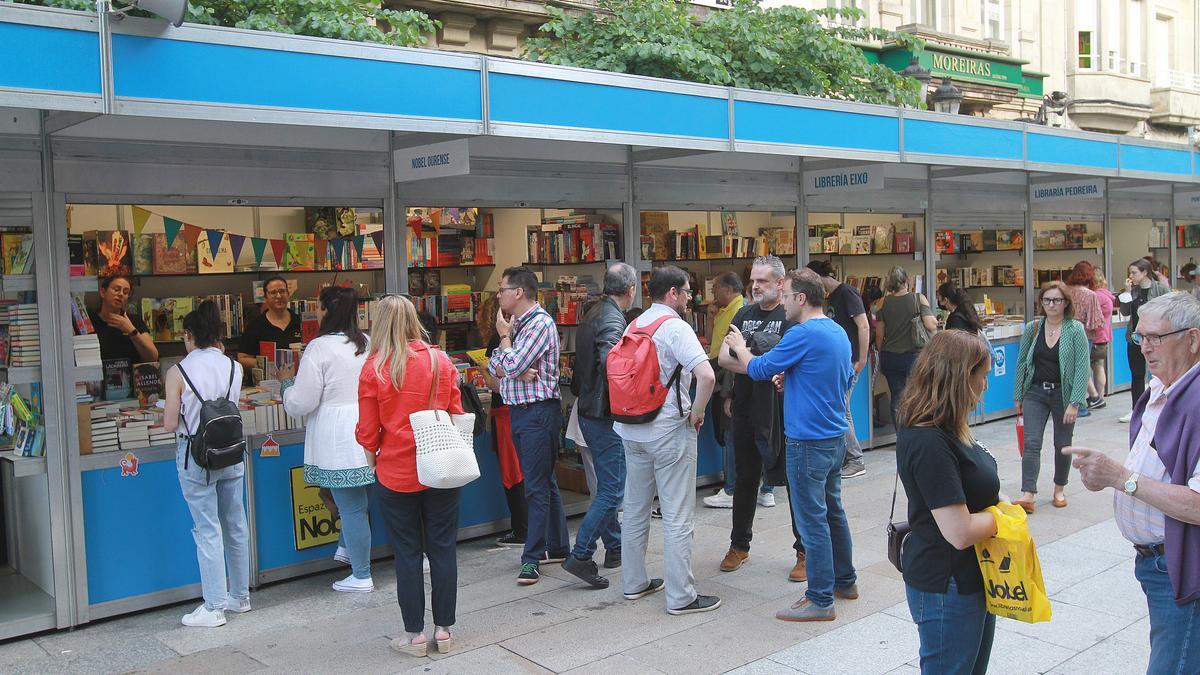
(445, 443)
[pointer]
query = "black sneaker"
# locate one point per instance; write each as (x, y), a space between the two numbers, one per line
(612, 559)
(702, 603)
(549, 558)
(654, 586)
(586, 570)
(1096, 403)
(529, 574)
(511, 539)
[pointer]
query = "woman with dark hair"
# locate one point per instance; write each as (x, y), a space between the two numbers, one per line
(214, 498)
(950, 480)
(962, 310)
(1053, 371)
(1141, 287)
(121, 332)
(325, 393)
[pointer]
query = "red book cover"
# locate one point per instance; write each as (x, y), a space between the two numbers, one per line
(267, 351)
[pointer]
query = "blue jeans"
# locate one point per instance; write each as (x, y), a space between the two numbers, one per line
(956, 630)
(356, 529)
(731, 468)
(608, 458)
(895, 367)
(536, 431)
(215, 500)
(814, 473)
(1174, 638)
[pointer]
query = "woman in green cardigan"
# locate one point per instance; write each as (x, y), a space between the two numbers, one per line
(1053, 370)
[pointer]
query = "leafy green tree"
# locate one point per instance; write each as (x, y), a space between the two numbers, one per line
(785, 49)
(341, 19)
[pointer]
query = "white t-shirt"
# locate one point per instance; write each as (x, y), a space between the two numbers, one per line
(208, 369)
(677, 345)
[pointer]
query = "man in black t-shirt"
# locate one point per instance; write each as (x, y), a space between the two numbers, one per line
(844, 305)
(123, 337)
(753, 413)
(277, 324)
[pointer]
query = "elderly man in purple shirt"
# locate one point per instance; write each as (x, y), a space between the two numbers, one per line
(1157, 490)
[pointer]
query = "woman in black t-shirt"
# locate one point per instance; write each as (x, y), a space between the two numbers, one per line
(949, 479)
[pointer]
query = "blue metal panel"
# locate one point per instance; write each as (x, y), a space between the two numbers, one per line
(137, 532)
(770, 123)
(860, 407)
(583, 105)
(965, 140)
(175, 70)
(275, 527)
(1160, 160)
(53, 59)
(1071, 151)
(1121, 375)
(999, 394)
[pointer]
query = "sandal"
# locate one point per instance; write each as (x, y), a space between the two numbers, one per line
(443, 646)
(1059, 502)
(404, 645)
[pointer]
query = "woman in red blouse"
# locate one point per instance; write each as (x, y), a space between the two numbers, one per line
(394, 383)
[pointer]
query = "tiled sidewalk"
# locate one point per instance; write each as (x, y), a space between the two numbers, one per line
(558, 625)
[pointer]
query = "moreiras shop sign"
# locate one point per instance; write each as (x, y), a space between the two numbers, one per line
(1092, 188)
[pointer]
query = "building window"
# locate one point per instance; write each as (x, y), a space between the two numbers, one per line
(993, 19)
(1164, 40)
(1135, 25)
(1086, 47)
(847, 4)
(929, 13)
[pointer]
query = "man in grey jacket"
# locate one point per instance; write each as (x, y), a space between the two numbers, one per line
(598, 333)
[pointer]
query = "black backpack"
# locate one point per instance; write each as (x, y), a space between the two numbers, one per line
(218, 442)
(473, 404)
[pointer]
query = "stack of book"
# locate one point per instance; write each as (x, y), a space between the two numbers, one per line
(568, 299)
(104, 433)
(160, 436)
(24, 347)
(575, 239)
(134, 434)
(87, 350)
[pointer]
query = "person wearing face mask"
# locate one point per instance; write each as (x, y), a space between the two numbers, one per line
(1053, 371)
(277, 323)
(122, 335)
(1141, 287)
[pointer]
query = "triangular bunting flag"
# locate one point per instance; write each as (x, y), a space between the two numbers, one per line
(377, 237)
(260, 247)
(172, 227)
(140, 216)
(215, 237)
(236, 241)
(359, 242)
(190, 234)
(339, 248)
(277, 249)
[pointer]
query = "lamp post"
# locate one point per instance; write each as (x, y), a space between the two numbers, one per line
(947, 98)
(915, 71)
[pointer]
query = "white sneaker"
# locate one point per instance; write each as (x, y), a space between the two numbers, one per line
(237, 606)
(340, 555)
(425, 564)
(202, 617)
(353, 584)
(1124, 419)
(766, 499)
(721, 500)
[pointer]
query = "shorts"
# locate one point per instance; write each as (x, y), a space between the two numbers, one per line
(1099, 352)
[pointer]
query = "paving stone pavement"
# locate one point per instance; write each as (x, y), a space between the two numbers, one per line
(558, 625)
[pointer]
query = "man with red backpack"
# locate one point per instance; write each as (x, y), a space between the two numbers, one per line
(650, 373)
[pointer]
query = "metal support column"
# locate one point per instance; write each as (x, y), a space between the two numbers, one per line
(1030, 279)
(931, 261)
(802, 222)
(1107, 231)
(632, 227)
(1172, 244)
(395, 230)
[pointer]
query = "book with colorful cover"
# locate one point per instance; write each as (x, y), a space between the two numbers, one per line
(75, 255)
(18, 253)
(114, 256)
(179, 258)
(147, 382)
(310, 326)
(143, 254)
(80, 318)
(299, 251)
(884, 238)
(118, 379)
(159, 316)
(221, 263)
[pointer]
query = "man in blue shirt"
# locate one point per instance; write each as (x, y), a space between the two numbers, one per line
(814, 358)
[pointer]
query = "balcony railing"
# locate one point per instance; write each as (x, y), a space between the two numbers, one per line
(1177, 79)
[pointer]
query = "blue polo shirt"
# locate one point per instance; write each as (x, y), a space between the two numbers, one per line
(815, 359)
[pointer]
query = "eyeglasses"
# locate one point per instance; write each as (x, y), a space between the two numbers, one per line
(1155, 340)
(501, 289)
(689, 291)
(1049, 302)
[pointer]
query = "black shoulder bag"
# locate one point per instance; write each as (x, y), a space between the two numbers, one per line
(897, 533)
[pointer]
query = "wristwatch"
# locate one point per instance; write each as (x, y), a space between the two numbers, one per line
(1131, 483)
(133, 333)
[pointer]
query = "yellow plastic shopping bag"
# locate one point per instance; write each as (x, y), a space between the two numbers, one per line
(1012, 575)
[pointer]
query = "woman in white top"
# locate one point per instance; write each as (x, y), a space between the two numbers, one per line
(215, 498)
(325, 393)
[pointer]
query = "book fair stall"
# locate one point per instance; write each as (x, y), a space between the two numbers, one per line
(145, 161)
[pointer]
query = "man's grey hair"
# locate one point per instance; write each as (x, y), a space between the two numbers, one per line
(619, 279)
(774, 263)
(1180, 309)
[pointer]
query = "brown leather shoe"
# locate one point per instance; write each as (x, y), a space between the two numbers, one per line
(800, 571)
(733, 560)
(1026, 504)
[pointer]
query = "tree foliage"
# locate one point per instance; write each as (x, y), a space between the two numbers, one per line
(340, 19)
(785, 49)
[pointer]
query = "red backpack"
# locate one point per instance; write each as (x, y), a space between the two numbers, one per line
(635, 390)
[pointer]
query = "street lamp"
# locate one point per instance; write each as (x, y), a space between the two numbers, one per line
(947, 98)
(915, 71)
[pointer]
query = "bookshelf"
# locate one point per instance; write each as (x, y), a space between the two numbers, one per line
(988, 263)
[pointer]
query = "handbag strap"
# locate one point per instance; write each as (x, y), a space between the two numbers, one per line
(433, 381)
(895, 487)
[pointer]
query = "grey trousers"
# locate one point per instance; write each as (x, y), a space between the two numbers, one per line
(1043, 406)
(670, 465)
